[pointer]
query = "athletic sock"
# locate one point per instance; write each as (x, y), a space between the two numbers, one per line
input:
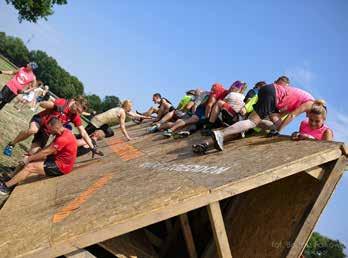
(240, 126)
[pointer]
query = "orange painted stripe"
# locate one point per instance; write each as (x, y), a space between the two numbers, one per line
(82, 198)
(124, 150)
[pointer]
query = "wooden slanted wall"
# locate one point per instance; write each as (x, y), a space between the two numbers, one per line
(152, 179)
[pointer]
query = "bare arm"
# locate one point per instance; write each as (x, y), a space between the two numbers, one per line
(85, 136)
(47, 104)
(301, 109)
(328, 135)
(123, 125)
(10, 72)
(135, 115)
(41, 155)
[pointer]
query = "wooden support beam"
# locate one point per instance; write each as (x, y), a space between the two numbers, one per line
(219, 232)
(186, 229)
(170, 239)
(316, 172)
(308, 225)
(154, 240)
(81, 253)
(210, 249)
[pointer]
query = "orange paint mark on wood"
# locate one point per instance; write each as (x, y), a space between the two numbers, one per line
(82, 198)
(124, 150)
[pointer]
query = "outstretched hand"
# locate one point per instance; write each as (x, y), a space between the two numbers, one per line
(95, 151)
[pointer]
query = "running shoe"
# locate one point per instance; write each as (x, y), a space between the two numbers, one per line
(273, 133)
(8, 150)
(153, 129)
(168, 133)
(181, 134)
(4, 190)
(200, 148)
(218, 140)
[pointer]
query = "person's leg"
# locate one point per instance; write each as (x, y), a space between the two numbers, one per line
(210, 103)
(158, 125)
(23, 135)
(276, 118)
(6, 96)
(215, 111)
(31, 168)
(242, 126)
(166, 126)
(181, 123)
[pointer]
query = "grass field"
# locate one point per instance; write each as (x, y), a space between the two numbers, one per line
(11, 122)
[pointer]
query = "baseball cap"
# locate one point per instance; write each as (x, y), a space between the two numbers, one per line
(33, 65)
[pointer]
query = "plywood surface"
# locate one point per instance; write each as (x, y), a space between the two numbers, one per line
(140, 183)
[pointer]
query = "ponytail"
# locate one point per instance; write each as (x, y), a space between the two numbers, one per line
(319, 108)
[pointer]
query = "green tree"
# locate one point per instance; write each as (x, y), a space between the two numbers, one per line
(14, 49)
(323, 247)
(60, 81)
(110, 102)
(33, 10)
(94, 102)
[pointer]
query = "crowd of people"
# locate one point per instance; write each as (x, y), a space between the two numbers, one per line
(221, 113)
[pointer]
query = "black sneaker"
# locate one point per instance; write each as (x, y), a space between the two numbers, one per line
(218, 140)
(200, 148)
(181, 134)
(273, 133)
(4, 190)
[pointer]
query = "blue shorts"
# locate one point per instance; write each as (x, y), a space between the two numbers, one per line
(200, 112)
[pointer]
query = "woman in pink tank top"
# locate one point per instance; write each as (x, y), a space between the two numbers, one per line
(314, 127)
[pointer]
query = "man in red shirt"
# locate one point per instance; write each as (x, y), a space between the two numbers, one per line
(22, 79)
(55, 160)
(65, 110)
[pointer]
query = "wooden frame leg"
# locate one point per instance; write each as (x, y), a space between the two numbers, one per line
(302, 238)
(186, 229)
(219, 232)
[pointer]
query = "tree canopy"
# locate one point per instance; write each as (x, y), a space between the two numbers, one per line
(324, 247)
(60, 81)
(33, 10)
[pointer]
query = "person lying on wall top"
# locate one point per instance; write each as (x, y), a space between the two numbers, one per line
(231, 108)
(185, 105)
(54, 160)
(65, 110)
(274, 101)
(161, 107)
(197, 119)
(22, 78)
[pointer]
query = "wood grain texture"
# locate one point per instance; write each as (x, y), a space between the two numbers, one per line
(136, 196)
(219, 232)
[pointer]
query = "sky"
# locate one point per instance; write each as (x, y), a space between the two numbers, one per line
(133, 49)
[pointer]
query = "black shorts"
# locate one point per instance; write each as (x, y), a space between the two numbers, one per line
(266, 103)
(41, 137)
(6, 96)
(51, 168)
(171, 109)
(90, 128)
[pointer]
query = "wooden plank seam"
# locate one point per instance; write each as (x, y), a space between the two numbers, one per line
(82, 198)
